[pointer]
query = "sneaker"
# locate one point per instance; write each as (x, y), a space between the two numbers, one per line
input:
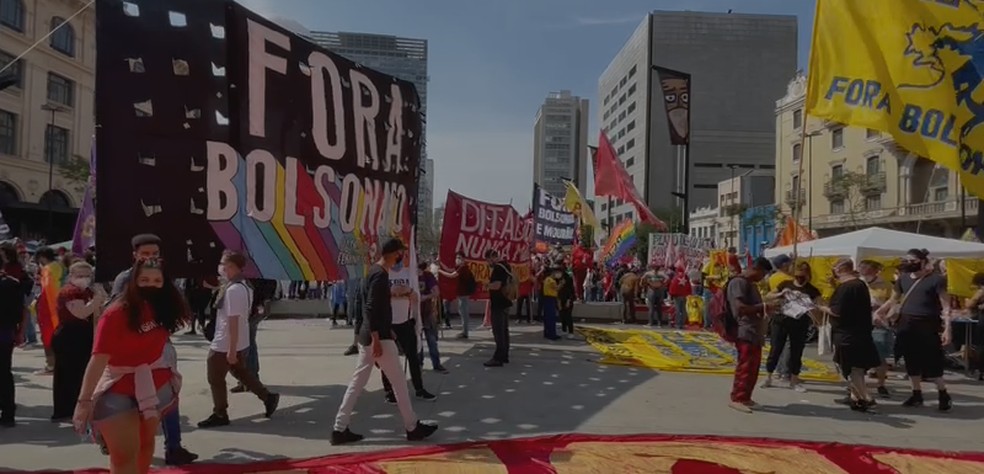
(860, 406)
(352, 350)
(946, 403)
(915, 400)
(390, 398)
(440, 369)
(844, 401)
(767, 383)
(344, 437)
(179, 457)
(738, 406)
(270, 404)
(214, 421)
(421, 431)
(884, 393)
(240, 388)
(493, 363)
(798, 388)
(425, 395)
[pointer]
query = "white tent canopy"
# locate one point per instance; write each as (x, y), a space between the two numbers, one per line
(879, 242)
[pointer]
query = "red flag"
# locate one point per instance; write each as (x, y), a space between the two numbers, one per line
(611, 179)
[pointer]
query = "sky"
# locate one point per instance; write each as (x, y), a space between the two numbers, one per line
(492, 63)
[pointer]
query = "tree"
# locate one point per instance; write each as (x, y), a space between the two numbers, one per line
(850, 190)
(76, 171)
(673, 217)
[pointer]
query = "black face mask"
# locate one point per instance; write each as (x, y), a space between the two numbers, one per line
(910, 267)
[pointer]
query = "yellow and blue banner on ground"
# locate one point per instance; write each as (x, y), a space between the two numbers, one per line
(911, 68)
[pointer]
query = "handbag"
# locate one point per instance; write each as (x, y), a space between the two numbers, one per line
(896, 309)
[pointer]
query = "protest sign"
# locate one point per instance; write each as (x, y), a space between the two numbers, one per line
(218, 129)
(674, 250)
(552, 223)
(473, 227)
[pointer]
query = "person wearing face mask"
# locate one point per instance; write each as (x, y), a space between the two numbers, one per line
(792, 328)
(131, 379)
(923, 326)
(883, 335)
(148, 247)
(230, 346)
(466, 286)
(78, 304)
(377, 346)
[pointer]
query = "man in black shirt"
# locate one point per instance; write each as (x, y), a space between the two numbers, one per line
(792, 327)
(377, 345)
(499, 306)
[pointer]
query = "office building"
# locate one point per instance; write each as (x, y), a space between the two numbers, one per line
(852, 178)
(560, 143)
(737, 64)
(404, 58)
(46, 114)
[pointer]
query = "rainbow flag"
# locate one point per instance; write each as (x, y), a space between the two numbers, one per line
(619, 244)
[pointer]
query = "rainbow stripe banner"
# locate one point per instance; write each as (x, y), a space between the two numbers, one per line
(622, 240)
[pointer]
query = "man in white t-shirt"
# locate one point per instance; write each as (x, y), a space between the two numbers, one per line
(406, 327)
(231, 343)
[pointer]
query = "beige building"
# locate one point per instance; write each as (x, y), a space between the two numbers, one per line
(46, 114)
(852, 178)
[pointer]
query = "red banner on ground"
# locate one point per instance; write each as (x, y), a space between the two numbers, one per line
(473, 227)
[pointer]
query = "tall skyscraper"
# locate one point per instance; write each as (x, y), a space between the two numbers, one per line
(739, 65)
(405, 58)
(560, 142)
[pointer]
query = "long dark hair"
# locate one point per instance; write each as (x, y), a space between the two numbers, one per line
(170, 310)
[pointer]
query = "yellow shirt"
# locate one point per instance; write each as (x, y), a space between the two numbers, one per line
(777, 279)
(550, 287)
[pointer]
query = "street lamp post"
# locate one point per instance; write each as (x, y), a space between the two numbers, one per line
(52, 108)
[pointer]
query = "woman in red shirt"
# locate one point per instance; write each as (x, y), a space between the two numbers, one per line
(130, 380)
(78, 302)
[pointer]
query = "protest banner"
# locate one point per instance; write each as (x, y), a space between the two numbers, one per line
(673, 250)
(552, 223)
(219, 129)
(472, 227)
(84, 235)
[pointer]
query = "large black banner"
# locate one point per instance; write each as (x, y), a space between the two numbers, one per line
(218, 129)
(552, 223)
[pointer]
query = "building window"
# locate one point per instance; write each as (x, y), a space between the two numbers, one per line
(837, 139)
(16, 71)
(621, 116)
(623, 81)
(873, 202)
(621, 100)
(63, 38)
(871, 134)
(873, 165)
(940, 194)
(61, 90)
(797, 152)
(56, 145)
(630, 126)
(605, 117)
(797, 118)
(632, 71)
(12, 14)
(621, 133)
(629, 162)
(8, 133)
(632, 89)
(629, 144)
(621, 150)
(606, 100)
(836, 172)
(837, 207)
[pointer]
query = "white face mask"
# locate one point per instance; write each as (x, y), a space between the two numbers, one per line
(222, 272)
(82, 282)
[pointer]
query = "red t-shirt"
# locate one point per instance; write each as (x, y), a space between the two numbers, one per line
(69, 293)
(127, 348)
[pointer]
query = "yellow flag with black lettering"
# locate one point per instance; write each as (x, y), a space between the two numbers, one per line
(910, 68)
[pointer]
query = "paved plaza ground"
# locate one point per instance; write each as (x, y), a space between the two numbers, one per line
(548, 388)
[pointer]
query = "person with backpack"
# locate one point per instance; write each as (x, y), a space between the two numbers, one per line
(503, 290)
(743, 319)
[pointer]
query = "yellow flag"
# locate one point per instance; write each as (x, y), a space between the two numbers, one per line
(910, 68)
(575, 203)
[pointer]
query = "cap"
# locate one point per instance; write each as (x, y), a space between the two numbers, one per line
(780, 261)
(393, 245)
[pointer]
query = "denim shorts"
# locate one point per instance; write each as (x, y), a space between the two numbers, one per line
(884, 342)
(111, 404)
